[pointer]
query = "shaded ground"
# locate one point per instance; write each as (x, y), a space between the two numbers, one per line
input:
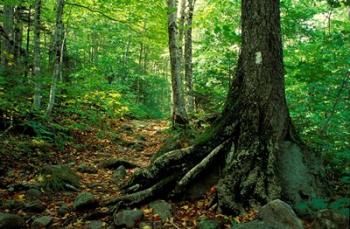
(132, 140)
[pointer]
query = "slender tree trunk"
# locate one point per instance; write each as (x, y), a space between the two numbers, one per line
(254, 140)
(18, 34)
(188, 57)
(7, 57)
(27, 67)
(59, 36)
(179, 112)
(37, 56)
(181, 35)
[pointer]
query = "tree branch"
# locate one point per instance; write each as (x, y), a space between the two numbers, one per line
(96, 11)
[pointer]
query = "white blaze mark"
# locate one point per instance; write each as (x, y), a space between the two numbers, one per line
(258, 58)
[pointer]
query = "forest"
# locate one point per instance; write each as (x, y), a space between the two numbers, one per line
(176, 114)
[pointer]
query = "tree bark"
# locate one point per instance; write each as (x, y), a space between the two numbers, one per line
(188, 57)
(254, 140)
(7, 57)
(37, 56)
(179, 116)
(59, 36)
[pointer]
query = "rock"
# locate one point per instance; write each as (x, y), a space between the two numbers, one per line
(209, 224)
(295, 177)
(162, 208)
(11, 221)
(85, 200)
(278, 214)
(120, 173)
(116, 163)
(35, 206)
(33, 194)
(144, 225)
(42, 222)
(59, 177)
(64, 209)
(256, 224)
(128, 218)
(95, 224)
(83, 168)
(328, 219)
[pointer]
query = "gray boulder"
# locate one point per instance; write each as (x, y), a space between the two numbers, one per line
(128, 218)
(11, 221)
(162, 208)
(41, 222)
(278, 214)
(85, 200)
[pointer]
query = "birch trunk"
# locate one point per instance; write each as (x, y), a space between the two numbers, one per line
(179, 116)
(188, 57)
(59, 36)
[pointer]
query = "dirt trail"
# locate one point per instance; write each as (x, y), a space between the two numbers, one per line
(131, 140)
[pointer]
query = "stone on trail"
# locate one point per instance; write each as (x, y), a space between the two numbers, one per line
(64, 209)
(83, 168)
(209, 224)
(59, 177)
(128, 218)
(274, 215)
(162, 208)
(35, 206)
(11, 221)
(84, 201)
(116, 163)
(279, 214)
(33, 194)
(41, 222)
(120, 173)
(95, 224)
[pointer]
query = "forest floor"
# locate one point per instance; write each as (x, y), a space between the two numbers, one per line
(131, 140)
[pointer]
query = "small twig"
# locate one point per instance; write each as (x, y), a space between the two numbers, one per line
(7, 130)
(172, 223)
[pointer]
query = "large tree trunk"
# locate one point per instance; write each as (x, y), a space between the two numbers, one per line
(37, 55)
(254, 140)
(179, 111)
(59, 39)
(188, 57)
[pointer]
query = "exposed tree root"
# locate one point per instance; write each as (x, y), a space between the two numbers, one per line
(257, 167)
(200, 167)
(141, 196)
